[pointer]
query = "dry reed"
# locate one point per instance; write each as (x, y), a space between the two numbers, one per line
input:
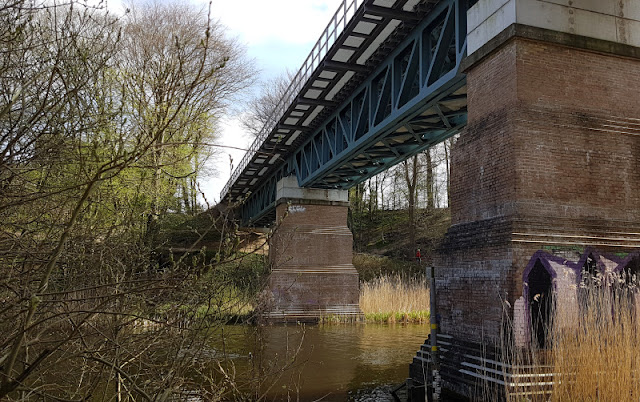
(598, 357)
(593, 352)
(393, 298)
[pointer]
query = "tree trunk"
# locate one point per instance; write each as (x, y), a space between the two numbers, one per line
(447, 149)
(411, 180)
(395, 189)
(430, 194)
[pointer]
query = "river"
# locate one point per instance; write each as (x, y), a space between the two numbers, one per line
(346, 362)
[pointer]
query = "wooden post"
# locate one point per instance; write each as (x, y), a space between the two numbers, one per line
(435, 363)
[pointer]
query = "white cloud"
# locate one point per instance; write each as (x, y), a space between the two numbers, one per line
(260, 21)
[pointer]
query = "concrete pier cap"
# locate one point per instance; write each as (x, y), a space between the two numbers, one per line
(287, 189)
(608, 20)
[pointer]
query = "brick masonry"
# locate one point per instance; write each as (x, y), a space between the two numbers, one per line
(311, 255)
(548, 163)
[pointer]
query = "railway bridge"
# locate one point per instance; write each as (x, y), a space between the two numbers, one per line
(545, 175)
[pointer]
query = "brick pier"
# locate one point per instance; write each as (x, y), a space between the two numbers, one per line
(546, 175)
(311, 255)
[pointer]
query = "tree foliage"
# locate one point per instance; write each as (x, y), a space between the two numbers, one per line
(103, 129)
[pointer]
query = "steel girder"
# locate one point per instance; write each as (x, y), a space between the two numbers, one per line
(258, 207)
(414, 99)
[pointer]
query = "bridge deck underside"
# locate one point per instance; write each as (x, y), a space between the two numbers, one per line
(359, 36)
(411, 100)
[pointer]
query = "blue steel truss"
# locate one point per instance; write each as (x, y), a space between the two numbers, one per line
(414, 99)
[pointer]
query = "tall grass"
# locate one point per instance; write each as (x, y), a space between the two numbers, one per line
(593, 351)
(598, 356)
(395, 298)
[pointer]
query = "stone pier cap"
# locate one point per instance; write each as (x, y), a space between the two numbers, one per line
(287, 189)
(606, 20)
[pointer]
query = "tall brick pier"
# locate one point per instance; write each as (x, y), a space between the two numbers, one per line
(548, 167)
(546, 175)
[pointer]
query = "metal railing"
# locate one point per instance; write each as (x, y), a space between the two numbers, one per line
(336, 26)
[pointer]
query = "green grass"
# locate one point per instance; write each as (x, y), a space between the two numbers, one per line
(229, 304)
(225, 292)
(412, 317)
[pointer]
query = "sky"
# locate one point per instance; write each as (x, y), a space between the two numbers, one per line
(278, 36)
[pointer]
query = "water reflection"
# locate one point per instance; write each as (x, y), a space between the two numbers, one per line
(332, 362)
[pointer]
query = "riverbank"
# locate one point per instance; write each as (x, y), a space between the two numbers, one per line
(391, 291)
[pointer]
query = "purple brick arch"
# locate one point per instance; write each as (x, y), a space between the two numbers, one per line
(545, 259)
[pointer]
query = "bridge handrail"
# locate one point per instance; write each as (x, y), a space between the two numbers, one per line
(336, 26)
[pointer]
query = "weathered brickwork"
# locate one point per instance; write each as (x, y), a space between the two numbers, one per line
(550, 160)
(311, 255)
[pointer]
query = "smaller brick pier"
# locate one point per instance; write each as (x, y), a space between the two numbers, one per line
(311, 255)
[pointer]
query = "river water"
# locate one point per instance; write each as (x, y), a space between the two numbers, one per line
(347, 362)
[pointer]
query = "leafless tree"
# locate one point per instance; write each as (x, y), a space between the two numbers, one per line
(259, 112)
(411, 179)
(181, 72)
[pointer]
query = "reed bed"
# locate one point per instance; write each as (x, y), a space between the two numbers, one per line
(395, 298)
(599, 355)
(593, 351)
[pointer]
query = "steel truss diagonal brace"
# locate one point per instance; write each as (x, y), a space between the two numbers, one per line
(412, 100)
